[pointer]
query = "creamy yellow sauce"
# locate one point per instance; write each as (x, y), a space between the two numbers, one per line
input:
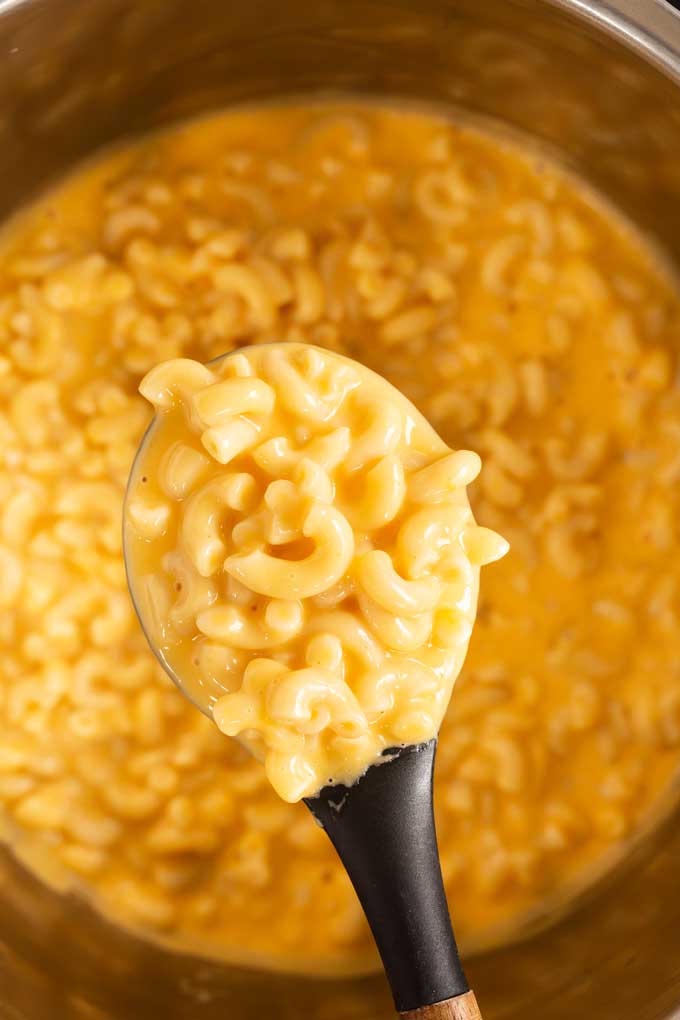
(528, 324)
(302, 553)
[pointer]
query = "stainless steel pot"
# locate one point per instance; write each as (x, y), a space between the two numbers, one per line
(600, 84)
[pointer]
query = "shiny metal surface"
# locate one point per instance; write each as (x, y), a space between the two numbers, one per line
(600, 84)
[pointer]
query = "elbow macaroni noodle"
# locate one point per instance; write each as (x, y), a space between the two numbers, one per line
(322, 485)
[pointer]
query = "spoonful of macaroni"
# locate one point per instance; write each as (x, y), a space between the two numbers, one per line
(304, 562)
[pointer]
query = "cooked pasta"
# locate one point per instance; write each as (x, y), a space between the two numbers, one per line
(246, 546)
(560, 371)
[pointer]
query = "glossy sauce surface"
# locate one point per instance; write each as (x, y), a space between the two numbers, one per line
(527, 323)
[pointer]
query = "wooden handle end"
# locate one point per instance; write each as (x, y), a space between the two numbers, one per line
(462, 1007)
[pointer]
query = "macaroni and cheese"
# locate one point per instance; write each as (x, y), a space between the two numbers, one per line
(303, 555)
(527, 322)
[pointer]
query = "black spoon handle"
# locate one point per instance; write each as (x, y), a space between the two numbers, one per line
(383, 830)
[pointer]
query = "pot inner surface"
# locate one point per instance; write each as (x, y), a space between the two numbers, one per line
(484, 67)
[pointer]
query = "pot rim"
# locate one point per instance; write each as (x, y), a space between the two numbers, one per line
(650, 28)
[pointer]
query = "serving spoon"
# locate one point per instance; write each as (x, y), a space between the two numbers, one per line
(383, 830)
